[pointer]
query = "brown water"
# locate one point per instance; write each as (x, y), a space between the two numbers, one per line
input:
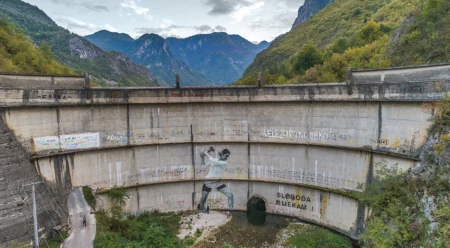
(256, 230)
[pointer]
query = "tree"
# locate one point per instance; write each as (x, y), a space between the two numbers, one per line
(307, 58)
(47, 50)
(340, 45)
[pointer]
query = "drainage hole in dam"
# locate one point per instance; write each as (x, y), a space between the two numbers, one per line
(256, 211)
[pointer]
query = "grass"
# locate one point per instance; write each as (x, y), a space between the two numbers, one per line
(90, 199)
(310, 236)
(54, 240)
(150, 229)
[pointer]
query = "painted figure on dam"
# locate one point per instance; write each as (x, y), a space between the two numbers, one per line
(216, 168)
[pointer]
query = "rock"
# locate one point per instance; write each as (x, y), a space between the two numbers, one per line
(309, 8)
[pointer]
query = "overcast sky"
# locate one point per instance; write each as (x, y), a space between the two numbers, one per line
(255, 20)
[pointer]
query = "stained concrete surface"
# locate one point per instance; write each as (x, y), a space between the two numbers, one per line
(80, 236)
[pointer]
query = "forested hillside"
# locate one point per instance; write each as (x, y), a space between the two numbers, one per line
(74, 51)
(19, 55)
(357, 34)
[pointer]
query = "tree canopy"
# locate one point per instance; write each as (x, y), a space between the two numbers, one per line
(19, 55)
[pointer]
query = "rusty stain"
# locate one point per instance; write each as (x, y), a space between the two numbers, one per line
(116, 94)
(323, 205)
(298, 192)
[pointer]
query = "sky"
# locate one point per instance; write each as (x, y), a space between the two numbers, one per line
(255, 20)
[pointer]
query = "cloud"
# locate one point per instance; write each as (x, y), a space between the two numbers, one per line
(96, 8)
(246, 11)
(220, 28)
(73, 23)
(131, 4)
(84, 28)
(110, 28)
(293, 3)
(85, 4)
(224, 7)
(203, 28)
(275, 17)
(163, 30)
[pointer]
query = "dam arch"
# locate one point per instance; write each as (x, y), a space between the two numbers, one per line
(148, 140)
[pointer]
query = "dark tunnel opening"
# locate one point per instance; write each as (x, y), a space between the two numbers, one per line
(256, 211)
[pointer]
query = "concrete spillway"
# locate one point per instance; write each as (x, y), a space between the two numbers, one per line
(301, 148)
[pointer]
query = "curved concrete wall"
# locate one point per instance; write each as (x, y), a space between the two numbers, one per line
(391, 127)
(301, 148)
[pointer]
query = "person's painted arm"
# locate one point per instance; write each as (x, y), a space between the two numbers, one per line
(207, 164)
(220, 163)
(209, 156)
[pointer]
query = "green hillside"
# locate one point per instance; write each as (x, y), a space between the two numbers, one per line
(357, 34)
(74, 51)
(19, 55)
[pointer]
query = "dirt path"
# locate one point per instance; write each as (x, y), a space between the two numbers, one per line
(80, 236)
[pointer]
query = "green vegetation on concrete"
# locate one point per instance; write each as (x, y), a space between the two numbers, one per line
(90, 199)
(148, 229)
(356, 34)
(410, 209)
(19, 55)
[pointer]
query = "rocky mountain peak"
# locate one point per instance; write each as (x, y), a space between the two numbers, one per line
(309, 8)
(82, 50)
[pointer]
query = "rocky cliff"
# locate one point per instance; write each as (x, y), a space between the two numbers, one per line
(309, 8)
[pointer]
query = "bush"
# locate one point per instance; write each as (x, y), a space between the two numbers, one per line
(307, 58)
(150, 229)
(90, 199)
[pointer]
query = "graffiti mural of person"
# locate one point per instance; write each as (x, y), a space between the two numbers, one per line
(216, 168)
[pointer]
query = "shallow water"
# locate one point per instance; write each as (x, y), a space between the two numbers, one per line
(256, 229)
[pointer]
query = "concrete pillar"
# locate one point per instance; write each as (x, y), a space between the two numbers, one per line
(86, 80)
(349, 81)
(177, 81)
(260, 82)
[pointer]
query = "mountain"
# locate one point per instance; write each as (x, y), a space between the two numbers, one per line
(218, 56)
(308, 9)
(109, 41)
(356, 34)
(75, 51)
(203, 59)
(152, 51)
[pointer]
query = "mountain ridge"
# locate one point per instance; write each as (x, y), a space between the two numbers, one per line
(68, 48)
(151, 51)
(218, 57)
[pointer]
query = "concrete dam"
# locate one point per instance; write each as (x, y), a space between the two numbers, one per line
(303, 149)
